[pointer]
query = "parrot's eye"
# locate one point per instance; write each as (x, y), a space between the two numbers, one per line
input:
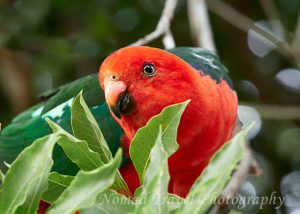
(149, 69)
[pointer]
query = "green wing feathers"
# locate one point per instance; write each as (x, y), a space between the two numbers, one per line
(30, 125)
(206, 61)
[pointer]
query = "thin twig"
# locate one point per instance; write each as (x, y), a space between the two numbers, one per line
(200, 24)
(276, 111)
(272, 13)
(296, 40)
(168, 40)
(162, 28)
(246, 166)
(244, 23)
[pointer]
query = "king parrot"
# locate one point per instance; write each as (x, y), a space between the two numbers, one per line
(138, 82)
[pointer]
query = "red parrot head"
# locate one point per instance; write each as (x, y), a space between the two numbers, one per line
(140, 81)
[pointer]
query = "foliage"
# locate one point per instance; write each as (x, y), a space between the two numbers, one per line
(145, 137)
(57, 183)
(26, 179)
(92, 190)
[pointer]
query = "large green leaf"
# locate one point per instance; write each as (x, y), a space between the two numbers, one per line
(77, 150)
(110, 202)
(86, 128)
(174, 202)
(215, 176)
(86, 159)
(85, 187)
(145, 137)
(57, 183)
(155, 187)
(26, 179)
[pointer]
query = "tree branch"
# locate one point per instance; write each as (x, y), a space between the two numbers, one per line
(15, 78)
(200, 24)
(276, 111)
(244, 23)
(162, 28)
(247, 165)
(296, 40)
(273, 14)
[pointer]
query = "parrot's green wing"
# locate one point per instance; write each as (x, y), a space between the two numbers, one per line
(30, 125)
(206, 61)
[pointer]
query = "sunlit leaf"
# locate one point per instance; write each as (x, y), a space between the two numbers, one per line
(2, 176)
(77, 150)
(86, 128)
(145, 137)
(110, 202)
(57, 183)
(215, 176)
(26, 179)
(138, 191)
(156, 181)
(174, 202)
(85, 187)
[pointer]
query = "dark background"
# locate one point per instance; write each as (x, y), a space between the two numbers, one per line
(46, 43)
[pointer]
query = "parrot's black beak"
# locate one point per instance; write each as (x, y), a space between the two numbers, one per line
(125, 104)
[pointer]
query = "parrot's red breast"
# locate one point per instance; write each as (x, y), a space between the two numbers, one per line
(140, 81)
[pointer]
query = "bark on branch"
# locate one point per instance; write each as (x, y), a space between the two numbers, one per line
(248, 165)
(162, 28)
(200, 24)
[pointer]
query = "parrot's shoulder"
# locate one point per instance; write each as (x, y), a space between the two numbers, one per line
(206, 61)
(93, 94)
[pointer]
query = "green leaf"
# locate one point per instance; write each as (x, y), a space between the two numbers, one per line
(57, 183)
(26, 179)
(174, 202)
(234, 212)
(138, 191)
(110, 202)
(145, 137)
(85, 187)
(7, 164)
(85, 127)
(155, 187)
(77, 150)
(2, 176)
(215, 176)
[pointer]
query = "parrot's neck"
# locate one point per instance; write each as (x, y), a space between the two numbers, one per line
(206, 124)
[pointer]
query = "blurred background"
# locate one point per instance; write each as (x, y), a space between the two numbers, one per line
(46, 43)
